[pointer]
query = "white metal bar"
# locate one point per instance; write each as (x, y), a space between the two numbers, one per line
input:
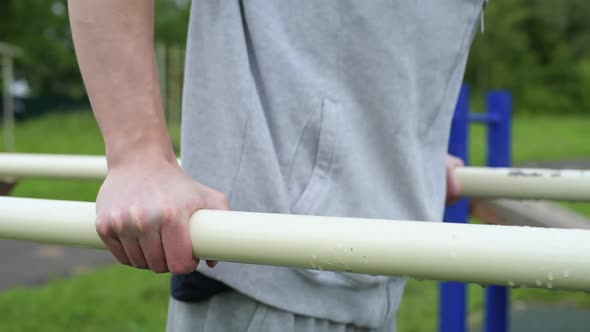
(59, 222)
(53, 166)
(484, 254)
(17, 165)
(525, 183)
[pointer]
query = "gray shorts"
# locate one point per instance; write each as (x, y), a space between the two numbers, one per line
(233, 311)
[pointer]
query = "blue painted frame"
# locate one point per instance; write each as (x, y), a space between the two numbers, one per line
(453, 295)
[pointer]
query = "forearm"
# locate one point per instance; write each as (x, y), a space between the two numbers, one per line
(115, 51)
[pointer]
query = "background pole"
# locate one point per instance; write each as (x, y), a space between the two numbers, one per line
(452, 295)
(8, 101)
(499, 154)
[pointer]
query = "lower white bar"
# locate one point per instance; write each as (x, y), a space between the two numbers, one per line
(484, 254)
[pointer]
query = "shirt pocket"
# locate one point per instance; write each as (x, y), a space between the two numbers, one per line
(314, 158)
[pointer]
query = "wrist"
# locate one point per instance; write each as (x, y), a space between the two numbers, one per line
(159, 152)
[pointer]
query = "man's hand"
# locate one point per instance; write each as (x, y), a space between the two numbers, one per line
(453, 186)
(142, 214)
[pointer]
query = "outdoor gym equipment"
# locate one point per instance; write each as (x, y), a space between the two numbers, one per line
(495, 255)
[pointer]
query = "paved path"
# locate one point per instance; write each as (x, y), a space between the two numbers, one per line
(28, 264)
(547, 319)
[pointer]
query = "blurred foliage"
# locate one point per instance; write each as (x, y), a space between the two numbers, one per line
(41, 30)
(538, 49)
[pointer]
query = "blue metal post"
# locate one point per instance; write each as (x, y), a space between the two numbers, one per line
(499, 107)
(452, 295)
(499, 154)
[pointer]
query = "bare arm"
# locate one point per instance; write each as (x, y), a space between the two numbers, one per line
(114, 45)
(146, 199)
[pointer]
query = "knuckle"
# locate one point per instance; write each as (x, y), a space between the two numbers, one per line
(141, 220)
(111, 222)
(103, 227)
(167, 214)
(118, 220)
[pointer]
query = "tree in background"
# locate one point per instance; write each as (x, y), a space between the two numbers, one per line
(41, 30)
(538, 49)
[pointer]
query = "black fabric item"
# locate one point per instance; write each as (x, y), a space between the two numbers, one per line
(195, 287)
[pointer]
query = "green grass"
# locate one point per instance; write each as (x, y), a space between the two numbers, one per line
(420, 307)
(111, 299)
(122, 299)
(540, 138)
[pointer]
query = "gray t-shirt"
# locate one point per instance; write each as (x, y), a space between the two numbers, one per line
(333, 107)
